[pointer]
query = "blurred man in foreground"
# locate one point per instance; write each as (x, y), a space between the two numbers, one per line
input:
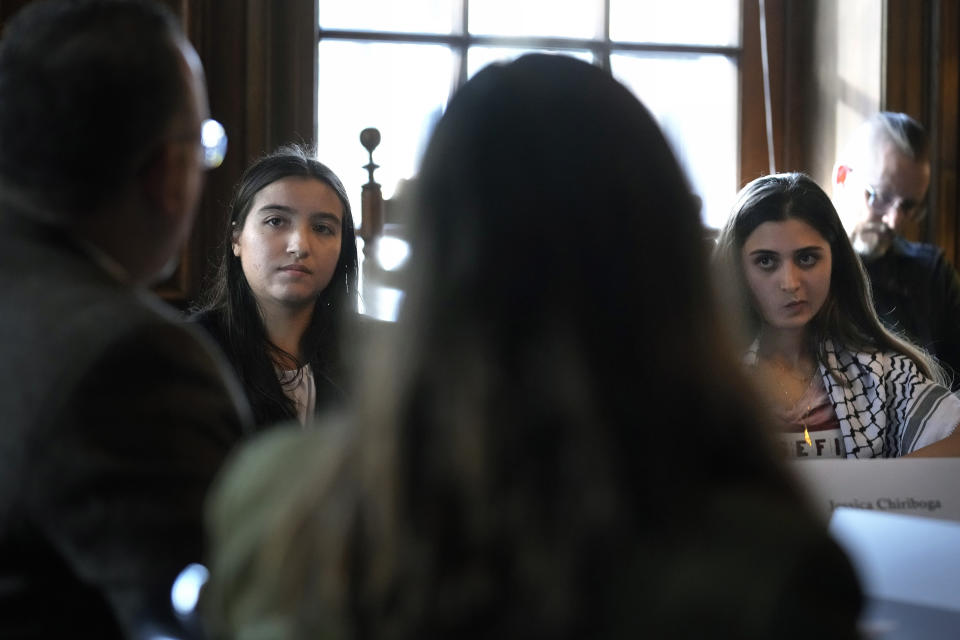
(115, 416)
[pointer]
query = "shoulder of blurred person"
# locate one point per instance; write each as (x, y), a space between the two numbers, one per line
(278, 520)
(710, 568)
(117, 416)
(290, 541)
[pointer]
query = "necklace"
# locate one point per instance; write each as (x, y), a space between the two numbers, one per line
(786, 395)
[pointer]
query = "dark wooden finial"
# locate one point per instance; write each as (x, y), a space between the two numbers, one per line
(371, 202)
(370, 138)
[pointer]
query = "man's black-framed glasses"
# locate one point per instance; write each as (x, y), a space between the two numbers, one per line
(880, 202)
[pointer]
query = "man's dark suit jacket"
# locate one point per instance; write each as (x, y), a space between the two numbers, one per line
(114, 418)
(916, 292)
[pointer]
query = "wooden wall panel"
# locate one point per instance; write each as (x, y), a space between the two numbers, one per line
(906, 59)
(943, 228)
(907, 80)
(220, 37)
(922, 46)
(285, 71)
(260, 62)
(754, 156)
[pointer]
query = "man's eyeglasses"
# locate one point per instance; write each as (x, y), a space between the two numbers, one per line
(880, 202)
(213, 139)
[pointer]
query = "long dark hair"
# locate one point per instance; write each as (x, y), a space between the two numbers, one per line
(230, 302)
(848, 315)
(559, 356)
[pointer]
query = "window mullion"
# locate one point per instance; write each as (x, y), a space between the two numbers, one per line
(604, 56)
(464, 42)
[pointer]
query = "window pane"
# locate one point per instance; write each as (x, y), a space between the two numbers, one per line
(415, 16)
(706, 22)
(576, 19)
(479, 57)
(694, 98)
(401, 89)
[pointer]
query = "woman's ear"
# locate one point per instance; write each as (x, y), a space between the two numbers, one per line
(235, 238)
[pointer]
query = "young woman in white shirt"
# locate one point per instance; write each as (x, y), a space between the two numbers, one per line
(286, 286)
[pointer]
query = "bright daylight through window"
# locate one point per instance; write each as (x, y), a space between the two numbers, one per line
(393, 65)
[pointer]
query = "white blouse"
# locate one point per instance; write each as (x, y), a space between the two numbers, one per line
(299, 387)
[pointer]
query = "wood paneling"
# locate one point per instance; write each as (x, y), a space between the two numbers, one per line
(907, 81)
(754, 156)
(922, 47)
(906, 57)
(260, 61)
(206, 23)
(942, 227)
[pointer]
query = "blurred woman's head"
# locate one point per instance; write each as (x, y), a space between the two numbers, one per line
(560, 352)
(552, 210)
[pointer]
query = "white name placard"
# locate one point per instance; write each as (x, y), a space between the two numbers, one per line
(927, 487)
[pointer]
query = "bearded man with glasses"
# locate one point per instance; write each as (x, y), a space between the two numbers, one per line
(880, 185)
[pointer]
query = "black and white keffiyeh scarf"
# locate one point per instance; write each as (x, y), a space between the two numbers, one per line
(886, 407)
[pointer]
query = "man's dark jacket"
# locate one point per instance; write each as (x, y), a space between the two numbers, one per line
(114, 418)
(917, 292)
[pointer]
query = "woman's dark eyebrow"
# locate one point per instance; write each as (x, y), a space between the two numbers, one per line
(285, 209)
(276, 207)
(332, 217)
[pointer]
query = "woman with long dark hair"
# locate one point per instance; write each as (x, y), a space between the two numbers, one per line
(837, 383)
(285, 286)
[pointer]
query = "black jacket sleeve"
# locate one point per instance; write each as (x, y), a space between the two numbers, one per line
(121, 472)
